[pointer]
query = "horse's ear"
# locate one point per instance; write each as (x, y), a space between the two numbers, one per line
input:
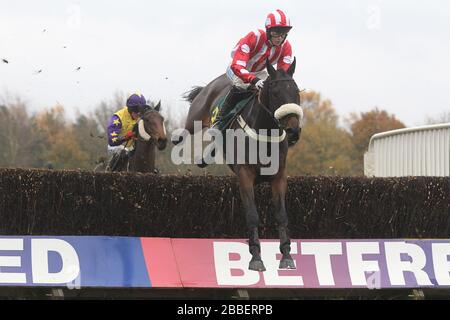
(158, 106)
(291, 69)
(270, 69)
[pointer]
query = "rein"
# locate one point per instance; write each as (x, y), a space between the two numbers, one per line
(252, 132)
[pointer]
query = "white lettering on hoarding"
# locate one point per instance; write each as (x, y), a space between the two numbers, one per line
(357, 266)
(396, 267)
(40, 274)
(39, 259)
(322, 252)
(11, 261)
(224, 265)
(363, 271)
(441, 265)
(269, 250)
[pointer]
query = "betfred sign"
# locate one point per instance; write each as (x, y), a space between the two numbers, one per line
(78, 262)
(320, 264)
(34, 267)
(73, 262)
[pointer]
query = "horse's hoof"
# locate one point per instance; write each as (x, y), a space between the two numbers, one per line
(287, 263)
(256, 265)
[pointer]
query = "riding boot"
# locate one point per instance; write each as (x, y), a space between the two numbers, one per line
(112, 163)
(118, 161)
(234, 96)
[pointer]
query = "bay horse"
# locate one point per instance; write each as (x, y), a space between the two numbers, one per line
(150, 133)
(277, 107)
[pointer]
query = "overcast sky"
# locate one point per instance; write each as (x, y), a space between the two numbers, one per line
(358, 53)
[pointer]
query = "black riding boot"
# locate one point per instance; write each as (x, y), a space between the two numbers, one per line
(118, 161)
(234, 96)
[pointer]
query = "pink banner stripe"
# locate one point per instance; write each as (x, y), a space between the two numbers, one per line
(161, 263)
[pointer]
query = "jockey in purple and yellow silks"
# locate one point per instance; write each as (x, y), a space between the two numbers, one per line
(120, 127)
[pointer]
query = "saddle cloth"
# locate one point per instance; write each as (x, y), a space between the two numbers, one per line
(233, 113)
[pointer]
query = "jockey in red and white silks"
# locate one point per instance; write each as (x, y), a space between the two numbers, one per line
(250, 54)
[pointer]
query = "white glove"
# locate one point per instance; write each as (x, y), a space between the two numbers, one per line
(259, 85)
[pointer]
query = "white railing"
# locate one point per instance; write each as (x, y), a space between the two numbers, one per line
(420, 151)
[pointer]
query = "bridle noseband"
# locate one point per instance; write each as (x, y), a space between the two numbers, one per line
(283, 109)
(277, 122)
(143, 135)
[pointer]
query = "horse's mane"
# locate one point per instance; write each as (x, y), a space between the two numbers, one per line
(190, 95)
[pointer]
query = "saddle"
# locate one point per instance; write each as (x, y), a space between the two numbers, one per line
(244, 98)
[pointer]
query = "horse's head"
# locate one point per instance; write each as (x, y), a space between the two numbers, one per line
(151, 127)
(280, 95)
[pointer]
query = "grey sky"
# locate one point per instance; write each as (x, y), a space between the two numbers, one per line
(358, 53)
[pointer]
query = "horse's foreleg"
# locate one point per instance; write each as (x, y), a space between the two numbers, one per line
(246, 181)
(279, 189)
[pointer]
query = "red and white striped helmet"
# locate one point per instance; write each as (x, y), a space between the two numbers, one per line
(278, 19)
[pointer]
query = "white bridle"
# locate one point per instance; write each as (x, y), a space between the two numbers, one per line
(142, 133)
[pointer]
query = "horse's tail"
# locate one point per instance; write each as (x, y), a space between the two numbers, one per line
(190, 95)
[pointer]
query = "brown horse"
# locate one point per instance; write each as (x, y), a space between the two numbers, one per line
(276, 107)
(150, 134)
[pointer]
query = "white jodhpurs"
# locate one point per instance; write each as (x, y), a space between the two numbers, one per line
(237, 82)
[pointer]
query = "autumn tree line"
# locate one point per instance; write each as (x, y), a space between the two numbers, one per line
(48, 139)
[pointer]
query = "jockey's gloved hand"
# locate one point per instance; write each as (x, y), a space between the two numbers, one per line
(258, 83)
(128, 136)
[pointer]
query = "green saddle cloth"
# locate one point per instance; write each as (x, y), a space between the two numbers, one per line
(231, 115)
